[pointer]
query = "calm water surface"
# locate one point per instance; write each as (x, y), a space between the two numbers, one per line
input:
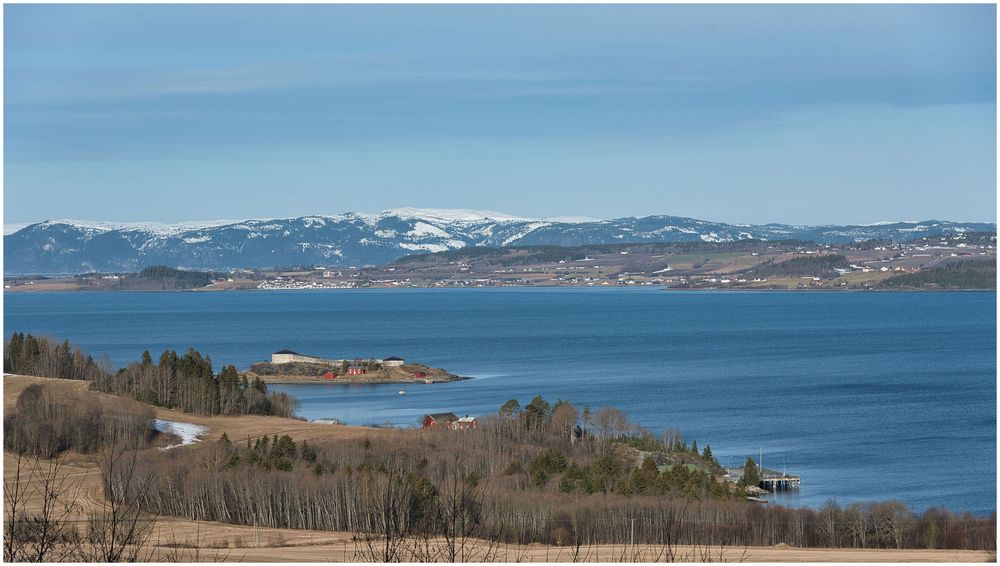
(866, 395)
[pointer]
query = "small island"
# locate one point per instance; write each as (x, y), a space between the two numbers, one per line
(287, 366)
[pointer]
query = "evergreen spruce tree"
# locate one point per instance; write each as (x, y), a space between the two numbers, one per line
(751, 474)
(707, 455)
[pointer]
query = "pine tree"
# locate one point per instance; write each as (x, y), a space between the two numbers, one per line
(537, 412)
(707, 455)
(511, 407)
(751, 474)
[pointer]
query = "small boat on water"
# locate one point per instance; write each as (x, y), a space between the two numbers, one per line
(401, 392)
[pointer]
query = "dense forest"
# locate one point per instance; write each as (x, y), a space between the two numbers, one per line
(163, 278)
(184, 382)
(806, 266)
(961, 274)
(542, 474)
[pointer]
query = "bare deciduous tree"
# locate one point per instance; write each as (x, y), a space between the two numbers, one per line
(120, 530)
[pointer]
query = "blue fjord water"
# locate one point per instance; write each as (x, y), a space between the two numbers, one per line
(867, 396)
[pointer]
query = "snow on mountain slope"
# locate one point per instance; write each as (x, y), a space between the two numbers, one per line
(362, 238)
(150, 227)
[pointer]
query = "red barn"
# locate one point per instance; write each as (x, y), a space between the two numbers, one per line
(329, 375)
(439, 420)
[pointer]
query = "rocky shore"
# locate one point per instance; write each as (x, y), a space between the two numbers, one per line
(300, 372)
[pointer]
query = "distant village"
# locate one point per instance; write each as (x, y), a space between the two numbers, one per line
(633, 267)
(729, 265)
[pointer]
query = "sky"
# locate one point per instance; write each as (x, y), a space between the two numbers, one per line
(817, 114)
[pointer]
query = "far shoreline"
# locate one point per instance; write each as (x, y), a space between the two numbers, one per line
(21, 291)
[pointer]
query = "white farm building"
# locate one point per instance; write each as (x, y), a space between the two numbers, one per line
(288, 356)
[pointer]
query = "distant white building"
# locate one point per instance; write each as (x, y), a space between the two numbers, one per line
(393, 361)
(288, 356)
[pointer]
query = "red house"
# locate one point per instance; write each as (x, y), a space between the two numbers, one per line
(420, 374)
(329, 375)
(355, 370)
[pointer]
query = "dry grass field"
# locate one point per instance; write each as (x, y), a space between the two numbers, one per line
(195, 541)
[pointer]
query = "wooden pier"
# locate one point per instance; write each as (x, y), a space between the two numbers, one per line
(771, 480)
(778, 481)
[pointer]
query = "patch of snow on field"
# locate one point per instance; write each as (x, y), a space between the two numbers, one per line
(188, 433)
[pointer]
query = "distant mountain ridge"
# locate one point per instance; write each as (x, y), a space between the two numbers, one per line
(361, 238)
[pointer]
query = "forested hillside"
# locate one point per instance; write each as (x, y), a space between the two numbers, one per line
(185, 382)
(163, 278)
(541, 473)
(962, 274)
(807, 266)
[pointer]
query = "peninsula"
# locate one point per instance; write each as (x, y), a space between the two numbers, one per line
(287, 366)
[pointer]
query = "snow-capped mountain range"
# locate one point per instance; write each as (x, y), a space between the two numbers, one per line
(361, 238)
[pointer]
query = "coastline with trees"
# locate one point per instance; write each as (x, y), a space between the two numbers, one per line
(538, 473)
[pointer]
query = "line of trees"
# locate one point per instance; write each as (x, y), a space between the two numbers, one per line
(188, 383)
(36, 355)
(185, 382)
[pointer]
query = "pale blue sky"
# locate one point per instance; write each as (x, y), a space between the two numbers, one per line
(797, 114)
